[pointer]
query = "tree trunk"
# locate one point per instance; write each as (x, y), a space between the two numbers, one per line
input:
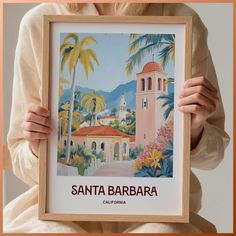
(70, 116)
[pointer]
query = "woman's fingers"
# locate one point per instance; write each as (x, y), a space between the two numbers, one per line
(198, 89)
(195, 109)
(32, 136)
(33, 127)
(37, 124)
(39, 110)
(199, 99)
(200, 81)
(32, 117)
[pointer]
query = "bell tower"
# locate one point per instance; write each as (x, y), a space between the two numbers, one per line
(122, 109)
(151, 83)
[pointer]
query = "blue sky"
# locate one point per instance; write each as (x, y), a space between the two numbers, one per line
(112, 54)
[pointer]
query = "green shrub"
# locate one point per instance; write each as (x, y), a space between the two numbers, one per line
(126, 158)
(133, 153)
(80, 166)
(61, 152)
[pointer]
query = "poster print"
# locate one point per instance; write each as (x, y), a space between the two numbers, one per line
(121, 123)
(120, 148)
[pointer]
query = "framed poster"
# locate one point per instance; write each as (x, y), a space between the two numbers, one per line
(120, 148)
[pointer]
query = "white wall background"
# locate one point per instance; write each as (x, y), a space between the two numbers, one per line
(217, 205)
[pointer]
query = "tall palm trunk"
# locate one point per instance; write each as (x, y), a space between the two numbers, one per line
(70, 116)
(93, 111)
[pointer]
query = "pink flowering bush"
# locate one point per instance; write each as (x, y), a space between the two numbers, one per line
(152, 161)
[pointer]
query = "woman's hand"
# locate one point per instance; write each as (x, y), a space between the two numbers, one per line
(199, 97)
(36, 126)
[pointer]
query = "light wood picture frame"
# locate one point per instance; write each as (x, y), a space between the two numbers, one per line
(71, 191)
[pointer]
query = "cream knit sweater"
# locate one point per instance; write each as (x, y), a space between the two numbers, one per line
(27, 88)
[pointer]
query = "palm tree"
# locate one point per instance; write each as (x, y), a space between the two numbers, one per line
(73, 51)
(142, 45)
(93, 104)
(62, 81)
(63, 114)
(168, 102)
(78, 97)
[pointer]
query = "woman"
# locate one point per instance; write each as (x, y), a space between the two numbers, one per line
(31, 123)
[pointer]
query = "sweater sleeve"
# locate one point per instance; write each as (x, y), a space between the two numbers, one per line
(210, 149)
(26, 89)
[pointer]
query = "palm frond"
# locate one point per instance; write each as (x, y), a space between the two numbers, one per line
(167, 112)
(63, 114)
(86, 62)
(61, 82)
(133, 36)
(74, 56)
(143, 41)
(92, 54)
(164, 55)
(89, 105)
(86, 41)
(169, 102)
(170, 80)
(84, 59)
(66, 48)
(64, 59)
(73, 36)
(136, 59)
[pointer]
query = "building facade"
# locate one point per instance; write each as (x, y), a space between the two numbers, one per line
(113, 143)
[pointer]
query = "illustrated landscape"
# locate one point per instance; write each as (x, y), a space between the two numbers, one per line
(116, 105)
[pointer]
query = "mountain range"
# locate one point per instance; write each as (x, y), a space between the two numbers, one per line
(112, 98)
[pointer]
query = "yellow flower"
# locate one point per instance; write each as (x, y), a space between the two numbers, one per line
(147, 162)
(155, 157)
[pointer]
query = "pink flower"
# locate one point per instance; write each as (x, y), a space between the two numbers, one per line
(164, 134)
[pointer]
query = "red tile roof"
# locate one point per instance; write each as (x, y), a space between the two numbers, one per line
(153, 66)
(106, 117)
(101, 131)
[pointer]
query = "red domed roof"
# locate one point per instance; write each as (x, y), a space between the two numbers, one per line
(152, 66)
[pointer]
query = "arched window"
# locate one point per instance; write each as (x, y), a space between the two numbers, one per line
(149, 83)
(142, 84)
(164, 85)
(102, 146)
(124, 148)
(71, 143)
(116, 151)
(94, 146)
(159, 84)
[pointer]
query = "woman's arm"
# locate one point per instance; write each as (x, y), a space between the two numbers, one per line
(26, 90)
(209, 151)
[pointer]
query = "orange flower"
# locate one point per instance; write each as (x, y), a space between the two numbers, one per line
(137, 164)
(147, 162)
(79, 159)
